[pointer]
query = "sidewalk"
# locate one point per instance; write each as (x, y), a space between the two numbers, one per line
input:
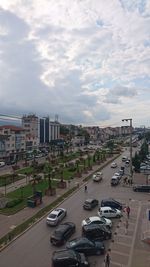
(7, 223)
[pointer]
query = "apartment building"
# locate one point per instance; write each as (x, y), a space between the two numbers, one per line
(30, 123)
(12, 142)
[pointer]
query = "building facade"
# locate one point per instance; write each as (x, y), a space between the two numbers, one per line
(48, 130)
(12, 142)
(30, 123)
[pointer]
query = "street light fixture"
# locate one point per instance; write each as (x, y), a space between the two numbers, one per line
(131, 172)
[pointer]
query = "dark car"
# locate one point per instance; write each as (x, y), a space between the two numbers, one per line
(90, 204)
(11, 162)
(141, 188)
(62, 233)
(96, 232)
(69, 258)
(86, 246)
(110, 202)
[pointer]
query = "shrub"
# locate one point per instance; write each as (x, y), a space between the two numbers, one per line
(13, 202)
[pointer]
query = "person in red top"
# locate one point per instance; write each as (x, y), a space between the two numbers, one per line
(128, 211)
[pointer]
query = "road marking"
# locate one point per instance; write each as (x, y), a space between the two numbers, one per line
(134, 236)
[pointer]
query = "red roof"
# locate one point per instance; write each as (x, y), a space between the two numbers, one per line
(11, 127)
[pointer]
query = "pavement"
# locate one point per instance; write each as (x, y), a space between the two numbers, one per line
(127, 249)
(7, 223)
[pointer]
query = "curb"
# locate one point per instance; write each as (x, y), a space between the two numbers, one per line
(76, 188)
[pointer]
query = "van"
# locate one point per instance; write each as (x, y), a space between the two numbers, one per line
(114, 180)
(96, 232)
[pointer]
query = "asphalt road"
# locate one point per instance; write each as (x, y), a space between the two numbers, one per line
(34, 249)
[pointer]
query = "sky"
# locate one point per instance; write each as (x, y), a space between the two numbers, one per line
(88, 61)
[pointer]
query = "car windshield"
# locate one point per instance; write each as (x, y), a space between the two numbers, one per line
(88, 220)
(88, 201)
(103, 220)
(114, 210)
(58, 233)
(73, 243)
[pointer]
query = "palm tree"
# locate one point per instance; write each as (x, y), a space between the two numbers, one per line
(48, 170)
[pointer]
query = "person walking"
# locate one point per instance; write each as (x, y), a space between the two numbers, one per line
(128, 211)
(126, 226)
(107, 259)
(85, 188)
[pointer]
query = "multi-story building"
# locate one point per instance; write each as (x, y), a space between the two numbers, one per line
(30, 124)
(48, 130)
(12, 142)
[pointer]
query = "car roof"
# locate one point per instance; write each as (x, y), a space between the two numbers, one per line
(64, 253)
(114, 177)
(105, 208)
(90, 200)
(93, 226)
(110, 199)
(57, 211)
(94, 218)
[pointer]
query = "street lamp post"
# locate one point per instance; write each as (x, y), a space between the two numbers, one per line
(131, 172)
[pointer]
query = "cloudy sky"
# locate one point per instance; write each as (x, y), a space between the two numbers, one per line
(86, 60)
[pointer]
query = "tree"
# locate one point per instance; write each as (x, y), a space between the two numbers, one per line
(136, 161)
(48, 170)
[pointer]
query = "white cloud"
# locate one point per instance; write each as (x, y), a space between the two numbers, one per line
(73, 58)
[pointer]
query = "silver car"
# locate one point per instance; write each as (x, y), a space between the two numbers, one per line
(56, 216)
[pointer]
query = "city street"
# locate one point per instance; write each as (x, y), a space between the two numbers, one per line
(34, 249)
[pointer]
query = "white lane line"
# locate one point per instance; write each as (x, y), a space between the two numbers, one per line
(134, 236)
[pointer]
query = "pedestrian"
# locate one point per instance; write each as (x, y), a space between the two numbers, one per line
(125, 180)
(128, 211)
(107, 259)
(85, 188)
(126, 226)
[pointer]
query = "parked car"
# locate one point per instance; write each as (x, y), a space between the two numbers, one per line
(113, 165)
(56, 216)
(96, 232)
(62, 233)
(110, 202)
(124, 158)
(109, 212)
(69, 258)
(97, 177)
(118, 175)
(121, 172)
(145, 168)
(10, 162)
(86, 246)
(97, 220)
(141, 188)
(114, 180)
(2, 163)
(127, 163)
(90, 204)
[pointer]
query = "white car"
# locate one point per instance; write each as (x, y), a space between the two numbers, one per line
(118, 175)
(97, 177)
(109, 212)
(113, 165)
(97, 220)
(56, 216)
